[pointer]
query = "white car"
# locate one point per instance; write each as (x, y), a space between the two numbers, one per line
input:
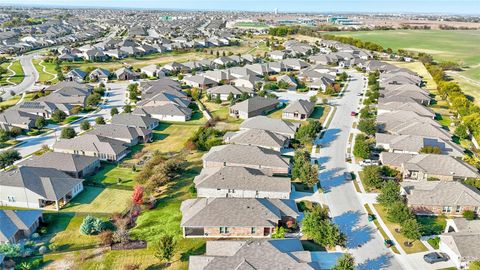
(368, 162)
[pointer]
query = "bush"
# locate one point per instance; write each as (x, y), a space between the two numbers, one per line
(106, 237)
(469, 214)
(67, 133)
(371, 177)
(8, 157)
(279, 233)
(207, 137)
(11, 250)
(85, 125)
(100, 120)
(361, 149)
(461, 131)
(58, 116)
(92, 225)
(53, 247)
(42, 250)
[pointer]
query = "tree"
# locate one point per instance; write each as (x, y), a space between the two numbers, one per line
(100, 120)
(15, 131)
(85, 125)
(113, 111)
(345, 262)
(8, 157)
(367, 126)
(313, 99)
(306, 133)
(4, 136)
(58, 115)
(230, 96)
(398, 212)
(137, 197)
(361, 148)
(40, 122)
(165, 247)
(371, 176)
(389, 194)
(217, 99)
(279, 233)
(93, 99)
(67, 133)
(317, 226)
(411, 229)
(127, 108)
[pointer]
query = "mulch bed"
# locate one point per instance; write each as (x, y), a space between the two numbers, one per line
(133, 244)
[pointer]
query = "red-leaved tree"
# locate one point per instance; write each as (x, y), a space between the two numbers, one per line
(137, 196)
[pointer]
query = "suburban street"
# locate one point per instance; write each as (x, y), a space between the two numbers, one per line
(115, 98)
(345, 206)
(31, 76)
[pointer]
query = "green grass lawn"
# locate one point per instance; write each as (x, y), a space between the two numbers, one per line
(170, 137)
(4, 77)
(10, 102)
(317, 112)
(19, 75)
(380, 229)
(99, 200)
(70, 119)
(432, 225)
(110, 174)
(49, 75)
(417, 245)
(65, 229)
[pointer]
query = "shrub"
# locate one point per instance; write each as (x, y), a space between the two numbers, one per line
(100, 120)
(361, 148)
(106, 237)
(92, 225)
(42, 250)
(58, 115)
(67, 133)
(371, 176)
(469, 214)
(165, 247)
(11, 250)
(85, 125)
(279, 233)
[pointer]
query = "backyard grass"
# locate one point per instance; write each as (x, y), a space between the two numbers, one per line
(10, 102)
(417, 246)
(66, 231)
(110, 174)
(170, 137)
(99, 200)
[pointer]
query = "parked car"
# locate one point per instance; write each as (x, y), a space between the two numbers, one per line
(360, 94)
(348, 176)
(353, 113)
(434, 257)
(388, 243)
(368, 162)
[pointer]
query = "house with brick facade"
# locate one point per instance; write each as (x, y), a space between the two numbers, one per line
(450, 198)
(236, 217)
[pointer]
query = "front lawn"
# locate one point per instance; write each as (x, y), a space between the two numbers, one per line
(99, 200)
(417, 246)
(432, 225)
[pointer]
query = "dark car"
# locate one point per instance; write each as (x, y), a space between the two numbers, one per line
(353, 113)
(435, 257)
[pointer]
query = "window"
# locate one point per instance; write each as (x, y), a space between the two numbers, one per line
(224, 230)
(458, 209)
(447, 209)
(11, 198)
(253, 230)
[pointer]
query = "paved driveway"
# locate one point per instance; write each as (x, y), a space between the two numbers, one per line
(363, 240)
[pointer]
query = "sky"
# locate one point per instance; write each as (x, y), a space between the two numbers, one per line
(471, 7)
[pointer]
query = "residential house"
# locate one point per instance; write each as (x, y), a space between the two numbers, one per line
(247, 156)
(99, 74)
(167, 112)
(239, 182)
(199, 82)
(235, 217)
(278, 126)
(39, 188)
(450, 198)
(74, 165)
(92, 145)
(18, 224)
(125, 74)
(15, 118)
(258, 137)
(278, 55)
(299, 109)
(137, 121)
(253, 106)
(287, 80)
(410, 106)
(130, 135)
(460, 241)
(76, 75)
(224, 91)
(255, 254)
(414, 144)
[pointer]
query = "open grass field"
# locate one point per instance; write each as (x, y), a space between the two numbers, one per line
(459, 46)
(417, 246)
(19, 75)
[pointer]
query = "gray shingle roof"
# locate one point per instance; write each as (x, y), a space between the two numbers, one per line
(441, 193)
(254, 104)
(49, 183)
(120, 131)
(92, 142)
(241, 179)
(300, 106)
(281, 254)
(246, 155)
(60, 161)
(15, 220)
(257, 137)
(132, 120)
(232, 212)
(270, 124)
(440, 165)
